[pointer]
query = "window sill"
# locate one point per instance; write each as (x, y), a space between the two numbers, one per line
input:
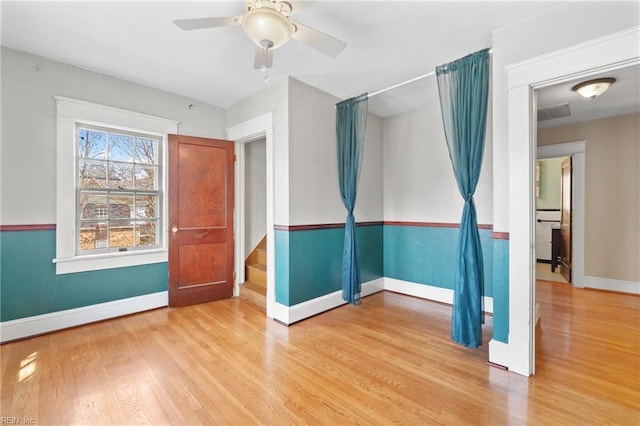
(95, 262)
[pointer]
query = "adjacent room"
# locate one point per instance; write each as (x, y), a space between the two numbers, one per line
(328, 212)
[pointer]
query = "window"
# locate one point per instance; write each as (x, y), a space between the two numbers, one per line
(111, 186)
(118, 192)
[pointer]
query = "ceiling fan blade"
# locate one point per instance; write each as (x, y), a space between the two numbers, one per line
(322, 42)
(201, 23)
(263, 58)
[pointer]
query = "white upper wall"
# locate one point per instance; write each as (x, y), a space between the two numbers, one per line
(273, 99)
(567, 25)
(29, 128)
(419, 184)
(370, 202)
(255, 193)
(314, 193)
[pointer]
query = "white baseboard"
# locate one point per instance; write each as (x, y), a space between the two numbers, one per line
(281, 313)
(32, 326)
(499, 353)
(321, 304)
(39, 324)
(295, 313)
(612, 285)
(424, 291)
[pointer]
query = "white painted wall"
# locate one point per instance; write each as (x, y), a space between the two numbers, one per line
(370, 203)
(29, 128)
(314, 192)
(419, 184)
(255, 194)
(566, 25)
(273, 99)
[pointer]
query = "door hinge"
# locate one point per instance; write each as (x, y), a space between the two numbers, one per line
(234, 158)
(234, 277)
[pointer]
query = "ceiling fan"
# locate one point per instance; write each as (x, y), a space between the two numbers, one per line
(267, 24)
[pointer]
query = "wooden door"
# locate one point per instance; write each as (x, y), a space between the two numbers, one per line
(200, 220)
(566, 219)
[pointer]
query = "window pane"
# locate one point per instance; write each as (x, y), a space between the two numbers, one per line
(93, 205)
(92, 144)
(120, 148)
(146, 233)
(93, 235)
(146, 151)
(145, 177)
(120, 206)
(93, 174)
(146, 206)
(120, 233)
(120, 176)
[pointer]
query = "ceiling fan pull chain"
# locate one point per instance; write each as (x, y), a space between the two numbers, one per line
(265, 53)
(266, 45)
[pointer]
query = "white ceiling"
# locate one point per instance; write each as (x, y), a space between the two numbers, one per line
(387, 42)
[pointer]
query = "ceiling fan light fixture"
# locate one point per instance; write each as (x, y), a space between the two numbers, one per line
(265, 23)
(593, 88)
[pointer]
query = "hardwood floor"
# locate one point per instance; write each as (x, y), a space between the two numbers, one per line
(389, 360)
(543, 272)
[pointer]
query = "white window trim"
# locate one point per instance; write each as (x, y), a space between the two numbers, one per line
(68, 112)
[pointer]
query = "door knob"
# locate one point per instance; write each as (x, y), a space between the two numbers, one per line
(174, 229)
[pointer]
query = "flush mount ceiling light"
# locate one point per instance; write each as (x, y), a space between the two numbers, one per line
(593, 88)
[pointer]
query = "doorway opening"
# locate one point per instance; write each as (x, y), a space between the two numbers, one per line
(549, 206)
(243, 135)
(252, 275)
(576, 151)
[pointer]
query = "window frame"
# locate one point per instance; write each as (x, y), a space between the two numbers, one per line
(105, 215)
(69, 113)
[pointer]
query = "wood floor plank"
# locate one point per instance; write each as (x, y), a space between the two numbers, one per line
(389, 360)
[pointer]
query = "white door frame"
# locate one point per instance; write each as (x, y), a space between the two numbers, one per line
(249, 131)
(617, 50)
(576, 150)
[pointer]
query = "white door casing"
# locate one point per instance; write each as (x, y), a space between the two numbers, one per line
(617, 50)
(259, 127)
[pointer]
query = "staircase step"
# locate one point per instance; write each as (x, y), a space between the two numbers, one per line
(257, 273)
(254, 293)
(254, 289)
(259, 255)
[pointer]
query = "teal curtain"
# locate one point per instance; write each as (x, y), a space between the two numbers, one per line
(351, 121)
(463, 86)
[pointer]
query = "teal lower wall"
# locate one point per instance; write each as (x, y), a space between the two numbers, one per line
(427, 255)
(501, 290)
(29, 285)
(309, 262)
(308, 266)
(281, 244)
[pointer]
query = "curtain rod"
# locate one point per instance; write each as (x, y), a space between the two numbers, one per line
(411, 80)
